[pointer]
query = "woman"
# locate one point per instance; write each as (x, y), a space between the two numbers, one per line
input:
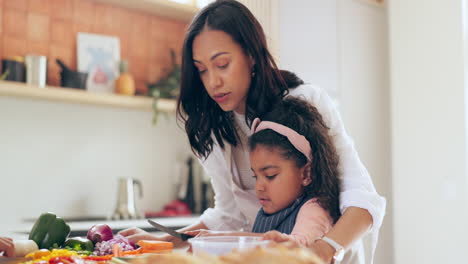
(228, 79)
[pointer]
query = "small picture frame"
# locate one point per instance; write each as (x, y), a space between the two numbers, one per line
(99, 56)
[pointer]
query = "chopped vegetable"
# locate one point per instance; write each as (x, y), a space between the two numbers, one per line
(46, 255)
(38, 254)
(117, 250)
(152, 246)
(61, 260)
(99, 233)
(99, 258)
(137, 251)
(105, 247)
(49, 230)
(79, 244)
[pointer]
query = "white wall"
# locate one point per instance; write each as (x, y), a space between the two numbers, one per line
(428, 131)
(66, 158)
(308, 42)
(341, 46)
(364, 99)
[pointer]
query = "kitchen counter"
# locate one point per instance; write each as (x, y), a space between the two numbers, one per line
(80, 228)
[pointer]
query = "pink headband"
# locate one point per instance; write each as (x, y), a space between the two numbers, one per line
(296, 139)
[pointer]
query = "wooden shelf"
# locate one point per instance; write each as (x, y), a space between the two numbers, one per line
(164, 8)
(76, 96)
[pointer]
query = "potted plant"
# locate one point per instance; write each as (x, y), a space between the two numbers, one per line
(167, 87)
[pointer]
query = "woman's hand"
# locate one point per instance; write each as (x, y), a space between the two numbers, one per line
(7, 247)
(198, 232)
(135, 234)
(323, 250)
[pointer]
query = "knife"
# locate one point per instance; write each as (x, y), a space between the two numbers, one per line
(171, 232)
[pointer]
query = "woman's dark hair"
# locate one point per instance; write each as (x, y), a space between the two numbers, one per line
(202, 116)
(305, 119)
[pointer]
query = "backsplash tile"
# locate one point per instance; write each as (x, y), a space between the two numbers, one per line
(1, 17)
(38, 47)
(38, 27)
(50, 27)
(14, 22)
(41, 6)
(13, 46)
(61, 33)
(20, 5)
(83, 11)
(62, 9)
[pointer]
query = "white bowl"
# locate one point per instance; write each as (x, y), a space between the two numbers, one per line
(218, 245)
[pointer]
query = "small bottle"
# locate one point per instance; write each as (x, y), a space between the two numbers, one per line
(125, 84)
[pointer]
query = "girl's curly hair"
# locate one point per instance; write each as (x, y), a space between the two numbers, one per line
(305, 119)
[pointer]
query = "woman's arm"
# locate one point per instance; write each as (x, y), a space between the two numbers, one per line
(226, 214)
(349, 228)
(360, 204)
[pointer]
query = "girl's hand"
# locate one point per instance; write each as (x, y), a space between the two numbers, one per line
(277, 237)
(7, 247)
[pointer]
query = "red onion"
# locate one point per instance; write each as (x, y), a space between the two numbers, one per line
(100, 232)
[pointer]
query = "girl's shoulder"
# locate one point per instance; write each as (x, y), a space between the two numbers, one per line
(312, 207)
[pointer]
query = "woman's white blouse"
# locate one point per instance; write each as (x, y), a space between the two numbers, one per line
(236, 205)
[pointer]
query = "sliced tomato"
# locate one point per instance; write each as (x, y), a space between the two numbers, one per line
(61, 260)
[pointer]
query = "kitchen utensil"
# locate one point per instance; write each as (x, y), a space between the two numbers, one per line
(36, 70)
(126, 205)
(171, 232)
(189, 198)
(218, 245)
(16, 70)
(70, 78)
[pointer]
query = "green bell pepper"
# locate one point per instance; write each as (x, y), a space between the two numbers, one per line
(79, 244)
(49, 231)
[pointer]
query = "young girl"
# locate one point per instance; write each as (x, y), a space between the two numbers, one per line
(295, 165)
(228, 78)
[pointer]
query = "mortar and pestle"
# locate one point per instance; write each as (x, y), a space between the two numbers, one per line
(70, 78)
